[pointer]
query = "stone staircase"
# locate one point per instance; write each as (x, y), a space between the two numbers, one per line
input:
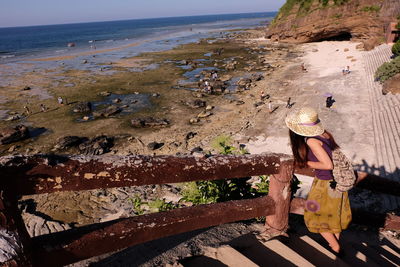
(300, 249)
(386, 116)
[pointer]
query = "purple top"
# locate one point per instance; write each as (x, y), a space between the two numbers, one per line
(327, 145)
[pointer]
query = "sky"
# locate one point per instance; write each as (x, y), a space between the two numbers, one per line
(45, 12)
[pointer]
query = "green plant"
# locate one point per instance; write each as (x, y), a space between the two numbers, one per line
(396, 48)
(263, 186)
(373, 8)
(337, 16)
(388, 70)
(223, 145)
(159, 205)
(137, 204)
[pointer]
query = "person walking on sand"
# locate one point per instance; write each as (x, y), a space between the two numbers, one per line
(270, 107)
(288, 104)
(60, 100)
(327, 211)
(27, 111)
(43, 108)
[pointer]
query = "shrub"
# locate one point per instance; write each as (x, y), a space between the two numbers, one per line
(396, 48)
(388, 70)
(371, 8)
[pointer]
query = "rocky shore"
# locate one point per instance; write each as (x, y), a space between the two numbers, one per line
(189, 96)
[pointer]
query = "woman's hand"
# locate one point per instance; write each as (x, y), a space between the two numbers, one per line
(324, 161)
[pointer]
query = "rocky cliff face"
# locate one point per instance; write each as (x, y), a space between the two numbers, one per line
(302, 21)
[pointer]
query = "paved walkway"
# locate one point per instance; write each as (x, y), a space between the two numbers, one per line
(385, 111)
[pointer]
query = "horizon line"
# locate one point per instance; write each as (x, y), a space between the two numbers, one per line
(83, 22)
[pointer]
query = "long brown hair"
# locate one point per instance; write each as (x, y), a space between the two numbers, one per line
(300, 148)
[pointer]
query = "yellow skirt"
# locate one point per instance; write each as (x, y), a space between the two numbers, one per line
(326, 210)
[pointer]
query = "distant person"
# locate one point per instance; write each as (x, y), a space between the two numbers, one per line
(288, 104)
(214, 75)
(43, 108)
(326, 210)
(329, 101)
(270, 107)
(303, 67)
(347, 70)
(27, 111)
(60, 100)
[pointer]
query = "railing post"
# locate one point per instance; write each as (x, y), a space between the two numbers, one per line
(279, 191)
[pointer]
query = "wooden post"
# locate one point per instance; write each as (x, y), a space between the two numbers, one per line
(279, 191)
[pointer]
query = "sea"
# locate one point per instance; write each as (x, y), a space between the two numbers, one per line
(19, 44)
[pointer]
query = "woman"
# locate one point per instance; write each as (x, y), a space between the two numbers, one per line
(327, 211)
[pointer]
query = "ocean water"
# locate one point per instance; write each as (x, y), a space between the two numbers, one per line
(19, 43)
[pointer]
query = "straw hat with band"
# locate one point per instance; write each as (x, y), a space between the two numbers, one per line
(304, 122)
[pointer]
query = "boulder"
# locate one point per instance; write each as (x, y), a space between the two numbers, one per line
(97, 146)
(104, 93)
(197, 103)
(26, 88)
(257, 77)
(70, 141)
(82, 107)
(155, 145)
(149, 122)
(190, 135)
(392, 85)
(116, 100)
(13, 134)
(204, 114)
(107, 112)
(194, 120)
(13, 118)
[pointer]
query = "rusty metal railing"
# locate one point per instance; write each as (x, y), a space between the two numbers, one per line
(22, 175)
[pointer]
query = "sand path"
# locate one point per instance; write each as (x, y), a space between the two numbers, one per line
(350, 118)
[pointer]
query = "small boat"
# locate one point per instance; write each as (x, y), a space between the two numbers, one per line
(71, 44)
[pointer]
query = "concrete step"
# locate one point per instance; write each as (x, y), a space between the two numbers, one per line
(279, 248)
(313, 251)
(268, 253)
(227, 256)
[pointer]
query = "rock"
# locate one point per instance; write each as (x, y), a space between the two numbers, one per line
(97, 146)
(116, 100)
(13, 118)
(109, 111)
(82, 107)
(209, 107)
(86, 118)
(155, 95)
(190, 135)
(10, 135)
(204, 114)
(314, 50)
(194, 120)
(196, 149)
(70, 141)
(240, 102)
(155, 145)
(346, 50)
(257, 104)
(26, 88)
(149, 122)
(84, 61)
(392, 85)
(104, 93)
(257, 77)
(12, 148)
(198, 95)
(197, 103)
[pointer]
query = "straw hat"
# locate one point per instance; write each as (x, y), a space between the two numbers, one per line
(304, 122)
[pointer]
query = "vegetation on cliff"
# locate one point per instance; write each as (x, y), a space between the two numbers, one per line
(304, 6)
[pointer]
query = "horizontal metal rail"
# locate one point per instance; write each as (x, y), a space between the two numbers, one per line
(85, 242)
(39, 174)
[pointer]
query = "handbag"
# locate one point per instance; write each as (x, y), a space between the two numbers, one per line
(343, 172)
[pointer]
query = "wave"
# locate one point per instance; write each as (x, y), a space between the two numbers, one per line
(7, 56)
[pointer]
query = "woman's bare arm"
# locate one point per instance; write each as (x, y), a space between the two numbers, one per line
(324, 161)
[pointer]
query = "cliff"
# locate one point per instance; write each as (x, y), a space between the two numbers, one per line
(300, 21)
